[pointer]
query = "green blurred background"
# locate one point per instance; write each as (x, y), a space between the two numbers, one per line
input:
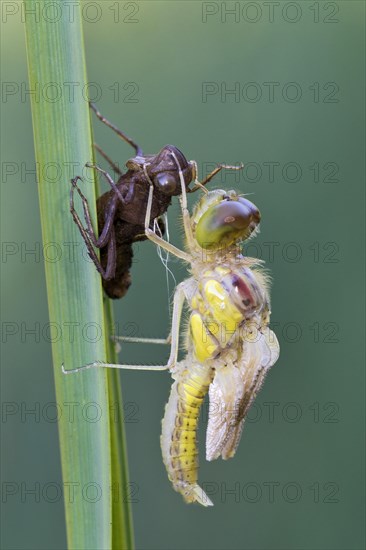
(297, 480)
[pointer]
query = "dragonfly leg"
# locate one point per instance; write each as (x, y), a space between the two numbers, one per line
(179, 298)
(173, 338)
(107, 237)
(137, 340)
(178, 301)
(152, 236)
(103, 238)
(184, 206)
(198, 184)
(116, 130)
(109, 180)
(99, 364)
(219, 167)
(112, 164)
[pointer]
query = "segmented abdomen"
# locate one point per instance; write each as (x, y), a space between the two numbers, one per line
(179, 429)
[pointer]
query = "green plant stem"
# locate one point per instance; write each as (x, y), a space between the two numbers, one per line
(92, 440)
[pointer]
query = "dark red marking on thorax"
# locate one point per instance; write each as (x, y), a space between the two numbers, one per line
(243, 291)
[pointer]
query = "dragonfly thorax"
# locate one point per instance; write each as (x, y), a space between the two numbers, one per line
(225, 299)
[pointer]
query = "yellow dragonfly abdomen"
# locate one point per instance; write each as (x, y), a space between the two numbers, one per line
(179, 429)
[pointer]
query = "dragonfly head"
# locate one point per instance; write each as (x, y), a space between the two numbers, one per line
(223, 218)
(163, 170)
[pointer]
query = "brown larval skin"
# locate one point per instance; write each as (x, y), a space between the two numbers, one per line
(129, 218)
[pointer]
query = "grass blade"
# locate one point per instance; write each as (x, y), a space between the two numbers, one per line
(92, 444)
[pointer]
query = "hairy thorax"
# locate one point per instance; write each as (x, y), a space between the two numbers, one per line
(225, 297)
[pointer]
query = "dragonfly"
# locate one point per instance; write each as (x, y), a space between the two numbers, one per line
(121, 210)
(229, 345)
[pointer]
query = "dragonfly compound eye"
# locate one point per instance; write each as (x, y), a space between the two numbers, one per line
(227, 222)
(166, 183)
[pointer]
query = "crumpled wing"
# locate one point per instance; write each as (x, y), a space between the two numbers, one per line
(233, 390)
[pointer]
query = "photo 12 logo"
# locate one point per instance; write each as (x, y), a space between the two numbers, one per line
(270, 12)
(53, 12)
(54, 92)
(270, 492)
(71, 492)
(270, 92)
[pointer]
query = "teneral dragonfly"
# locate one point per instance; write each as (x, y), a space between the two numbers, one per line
(229, 344)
